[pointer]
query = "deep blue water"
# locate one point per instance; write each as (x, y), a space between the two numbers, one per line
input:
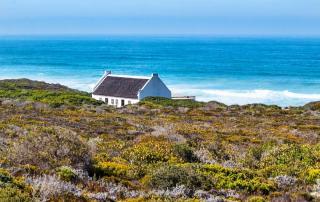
(283, 71)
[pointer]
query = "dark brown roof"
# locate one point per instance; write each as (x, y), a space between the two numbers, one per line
(120, 87)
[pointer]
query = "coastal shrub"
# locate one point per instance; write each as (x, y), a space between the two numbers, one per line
(7, 180)
(256, 199)
(289, 159)
(52, 94)
(148, 151)
(184, 152)
(316, 190)
(66, 173)
(214, 105)
(49, 148)
(254, 154)
(217, 150)
(110, 148)
(227, 178)
(312, 175)
(13, 194)
(111, 169)
(5, 177)
(285, 182)
(195, 135)
(165, 102)
(204, 156)
(47, 187)
(11, 84)
(179, 191)
(111, 191)
(312, 106)
(170, 176)
(12, 189)
(31, 169)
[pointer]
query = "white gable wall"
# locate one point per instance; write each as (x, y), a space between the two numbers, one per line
(154, 87)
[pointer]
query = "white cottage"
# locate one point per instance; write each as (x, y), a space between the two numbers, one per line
(120, 90)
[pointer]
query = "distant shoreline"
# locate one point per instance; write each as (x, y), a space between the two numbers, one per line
(214, 101)
(244, 95)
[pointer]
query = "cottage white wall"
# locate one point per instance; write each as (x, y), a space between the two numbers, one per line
(126, 100)
(154, 87)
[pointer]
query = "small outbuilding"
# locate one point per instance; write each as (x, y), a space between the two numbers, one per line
(121, 90)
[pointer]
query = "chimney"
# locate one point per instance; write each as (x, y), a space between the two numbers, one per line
(155, 75)
(106, 73)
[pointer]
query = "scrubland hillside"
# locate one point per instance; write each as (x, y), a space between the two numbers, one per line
(57, 144)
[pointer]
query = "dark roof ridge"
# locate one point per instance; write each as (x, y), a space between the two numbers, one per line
(121, 86)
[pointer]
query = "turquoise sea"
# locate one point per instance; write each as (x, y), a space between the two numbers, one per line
(233, 70)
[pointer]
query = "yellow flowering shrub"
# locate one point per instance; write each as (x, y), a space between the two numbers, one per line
(13, 189)
(289, 159)
(148, 151)
(256, 199)
(111, 169)
(227, 178)
(312, 175)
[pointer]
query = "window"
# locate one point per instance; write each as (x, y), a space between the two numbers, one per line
(106, 100)
(112, 101)
(117, 102)
(122, 102)
(129, 102)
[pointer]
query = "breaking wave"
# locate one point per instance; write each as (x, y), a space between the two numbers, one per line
(265, 96)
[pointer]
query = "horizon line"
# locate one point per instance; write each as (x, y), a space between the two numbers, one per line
(163, 35)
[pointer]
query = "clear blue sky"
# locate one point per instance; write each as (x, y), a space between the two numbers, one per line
(212, 17)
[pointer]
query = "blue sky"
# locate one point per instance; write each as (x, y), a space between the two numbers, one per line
(208, 17)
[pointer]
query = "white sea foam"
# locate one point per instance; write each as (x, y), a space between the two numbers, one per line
(229, 96)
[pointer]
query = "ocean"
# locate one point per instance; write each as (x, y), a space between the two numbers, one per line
(232, 70)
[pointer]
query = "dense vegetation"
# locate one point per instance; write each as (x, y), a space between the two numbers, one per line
(58, 144)
(55, 95)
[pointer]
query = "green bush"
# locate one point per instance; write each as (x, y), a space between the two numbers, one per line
(169, 176)
(149, 151)
(111, 169)
(312, 175)
(52, 94)
(12, 189)
(254, 154)
(165, 102)
(289, 159)
(226, 178)
(49, 147)
(5, 177)
(184, 152)
(256, 199)
(10, 194)
(66, 173)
